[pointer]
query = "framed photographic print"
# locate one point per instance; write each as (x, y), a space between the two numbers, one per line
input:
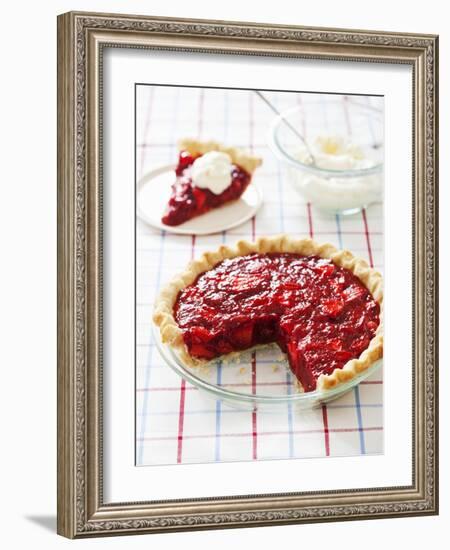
(247, 276)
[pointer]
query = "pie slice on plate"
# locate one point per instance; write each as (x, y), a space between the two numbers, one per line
(322, 306)
(208, 175)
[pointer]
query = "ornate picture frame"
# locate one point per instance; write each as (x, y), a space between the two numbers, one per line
(81, 39)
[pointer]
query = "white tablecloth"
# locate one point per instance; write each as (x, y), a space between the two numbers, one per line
(175, 422)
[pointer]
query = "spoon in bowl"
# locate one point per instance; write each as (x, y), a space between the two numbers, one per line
(287, 123)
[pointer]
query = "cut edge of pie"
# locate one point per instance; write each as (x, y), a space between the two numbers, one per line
(172, 334)
(238, 156)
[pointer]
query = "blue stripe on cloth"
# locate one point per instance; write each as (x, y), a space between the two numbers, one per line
(218, 413)
(362, 441)
(290, 417)
(219, 380)
(370, 124)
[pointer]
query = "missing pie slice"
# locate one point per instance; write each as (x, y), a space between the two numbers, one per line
(208, 175)
(322, 306)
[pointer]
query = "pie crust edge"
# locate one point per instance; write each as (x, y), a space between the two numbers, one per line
(238, 156)
(171, 333)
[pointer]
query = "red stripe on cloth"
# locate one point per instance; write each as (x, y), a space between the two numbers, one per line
(326, 431)
(366, 231)
(308, 204)
(229, 385)
(183, 395)
(237, 385)
(251, 140)
(166, 388)
(181, 422)
(261, 434)
(193, 246)
(324, 407)
(254, 419)
(147, 126)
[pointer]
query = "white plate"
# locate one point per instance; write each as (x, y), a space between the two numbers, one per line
(153, 193)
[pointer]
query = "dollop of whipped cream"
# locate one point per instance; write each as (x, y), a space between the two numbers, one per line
(336, 153)
(337, 192)
(212, 171)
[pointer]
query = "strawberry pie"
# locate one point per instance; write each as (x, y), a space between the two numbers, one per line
(208, 175)
(320, 305)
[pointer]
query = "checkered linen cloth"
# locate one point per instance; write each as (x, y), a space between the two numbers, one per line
(175, 422)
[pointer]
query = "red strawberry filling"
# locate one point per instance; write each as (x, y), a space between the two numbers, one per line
(320, 314)
(188, 201)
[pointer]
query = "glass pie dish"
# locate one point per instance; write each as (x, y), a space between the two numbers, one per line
(346, 140)
(256, 379)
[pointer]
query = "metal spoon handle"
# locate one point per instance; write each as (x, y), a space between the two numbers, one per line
(288, 124)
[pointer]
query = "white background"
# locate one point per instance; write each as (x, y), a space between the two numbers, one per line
(28, 277)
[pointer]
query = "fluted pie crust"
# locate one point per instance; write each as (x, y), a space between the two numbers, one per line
(171, 333)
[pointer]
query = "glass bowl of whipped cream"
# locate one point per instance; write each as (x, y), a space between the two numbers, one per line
(338, 165)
